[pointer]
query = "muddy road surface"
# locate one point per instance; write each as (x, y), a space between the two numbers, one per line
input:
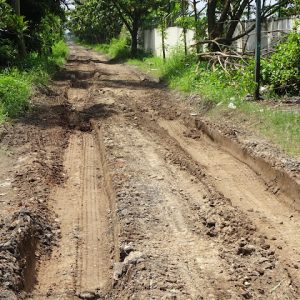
(128, 200)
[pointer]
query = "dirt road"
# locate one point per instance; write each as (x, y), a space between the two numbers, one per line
(147, 207)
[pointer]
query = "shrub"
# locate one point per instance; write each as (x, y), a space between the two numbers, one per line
(49, 33)
(14, 94)
(282, 69)
(119, 49)
(59, 52)
(16, 84)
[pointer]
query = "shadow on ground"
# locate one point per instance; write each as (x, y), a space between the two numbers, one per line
(64, 115)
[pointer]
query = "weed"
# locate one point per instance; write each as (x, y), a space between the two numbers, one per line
(14, 93)
(16, 83)
(117, 49)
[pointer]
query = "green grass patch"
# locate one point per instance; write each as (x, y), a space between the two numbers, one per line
(117, 49)
(16, 83)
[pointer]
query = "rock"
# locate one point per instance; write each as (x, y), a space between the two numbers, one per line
(249, 97)
(246, 250)
(246, 295)
(134, 258)
(231, 105)
(89, 295)
(7, 295)
(118, 270)
(127, 248)
(210, 223)
(265, 246)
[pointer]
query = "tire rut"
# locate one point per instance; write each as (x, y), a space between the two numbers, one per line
(148, 213)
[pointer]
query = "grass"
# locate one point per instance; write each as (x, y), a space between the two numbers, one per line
(118, 49)
(226, 91)
(16, 84)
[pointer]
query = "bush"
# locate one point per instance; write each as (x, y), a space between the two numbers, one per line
(117, 49)
(60, 51)
(282, 70)
(14, 94)
(214, 84)
(8, 51)
(49, 32)
(16, 84)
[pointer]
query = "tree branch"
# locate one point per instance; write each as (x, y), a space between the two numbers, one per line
(121, 14)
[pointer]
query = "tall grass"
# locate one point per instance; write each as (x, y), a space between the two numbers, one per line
(186, 74)
(16, 83)
(117, 49)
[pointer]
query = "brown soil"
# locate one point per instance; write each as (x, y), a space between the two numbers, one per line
(111, 188)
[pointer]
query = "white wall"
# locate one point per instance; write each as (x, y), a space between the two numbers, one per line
(271, 31)
(174, 38)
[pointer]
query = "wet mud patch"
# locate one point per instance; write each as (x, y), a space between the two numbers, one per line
(74, 74)
(80, 84)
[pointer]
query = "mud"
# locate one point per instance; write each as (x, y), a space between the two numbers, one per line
(114, 188)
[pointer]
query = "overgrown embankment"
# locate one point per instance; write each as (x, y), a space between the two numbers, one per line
(225, 95)
(17, 82)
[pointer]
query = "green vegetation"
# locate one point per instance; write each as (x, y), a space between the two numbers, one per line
(16, 84)
(282, 69)
(95, 21)
(118, 49)
(31, 50)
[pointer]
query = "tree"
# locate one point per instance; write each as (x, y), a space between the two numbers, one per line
(17, 8)
(133, 14)
(223, 18)
(26, 26)
(95, 21)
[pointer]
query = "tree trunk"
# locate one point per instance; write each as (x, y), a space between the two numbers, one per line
(163, 37)
(16, 5)
(134, 38)
(183, 8)
(235, 21)
(214, 29)
(17, 8)
(196, 20)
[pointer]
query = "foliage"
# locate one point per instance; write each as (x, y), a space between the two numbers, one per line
(117, 49)
(59, 52)
(8, 51)
(135, 13)
(16, 83)
(14, 93)
(49, 32)
(95, 21)
(37, 28)
(12, 28)
(223, 18)
(282, 69)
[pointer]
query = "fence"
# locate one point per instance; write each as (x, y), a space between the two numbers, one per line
(272, 30)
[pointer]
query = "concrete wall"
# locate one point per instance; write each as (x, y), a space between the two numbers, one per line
(174, 38)
(271, 32)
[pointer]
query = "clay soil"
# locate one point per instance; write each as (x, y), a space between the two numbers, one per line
(112, 188)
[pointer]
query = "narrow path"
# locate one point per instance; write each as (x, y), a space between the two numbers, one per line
(147, 212)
